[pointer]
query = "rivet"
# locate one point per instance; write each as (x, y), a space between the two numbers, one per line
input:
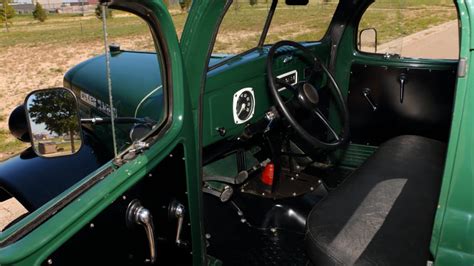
(311, 188)
(50, 261)
(294, 194)
(208, 236)
(91, 225)
(124, 197)
(171, 155)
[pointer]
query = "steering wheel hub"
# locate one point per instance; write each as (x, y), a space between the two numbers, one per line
(307, 96)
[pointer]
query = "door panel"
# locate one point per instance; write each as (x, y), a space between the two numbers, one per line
(378, 113)
(109, 240)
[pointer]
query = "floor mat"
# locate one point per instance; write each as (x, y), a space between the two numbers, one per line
(270, 248)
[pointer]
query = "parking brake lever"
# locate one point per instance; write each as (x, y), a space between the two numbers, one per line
(137, 214)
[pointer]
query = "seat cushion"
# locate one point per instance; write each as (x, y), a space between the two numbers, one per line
(383, 213)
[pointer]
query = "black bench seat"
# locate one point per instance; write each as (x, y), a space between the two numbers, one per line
(383, 213)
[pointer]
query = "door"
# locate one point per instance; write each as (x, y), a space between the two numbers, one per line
(402, 77)
(139, 203)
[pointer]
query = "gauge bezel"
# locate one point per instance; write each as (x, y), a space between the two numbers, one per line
(235, 99)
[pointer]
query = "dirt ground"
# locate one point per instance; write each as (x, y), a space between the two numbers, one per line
(27, 68)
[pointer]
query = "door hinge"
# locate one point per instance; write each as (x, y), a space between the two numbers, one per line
(462, 67)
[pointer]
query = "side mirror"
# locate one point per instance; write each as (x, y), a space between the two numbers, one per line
(53, 122)
(368, 40)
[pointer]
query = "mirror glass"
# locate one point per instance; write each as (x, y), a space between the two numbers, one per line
(53, 122)
(368, 40)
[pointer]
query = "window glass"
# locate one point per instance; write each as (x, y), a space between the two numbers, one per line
(67, 49)
(241, 27)
(410, 28)
(311, 24)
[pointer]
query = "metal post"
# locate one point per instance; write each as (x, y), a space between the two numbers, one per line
(109, 80)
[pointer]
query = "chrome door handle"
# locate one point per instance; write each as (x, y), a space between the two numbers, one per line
(177, 210)
(137, 214)
(366, 93)
(403, 78)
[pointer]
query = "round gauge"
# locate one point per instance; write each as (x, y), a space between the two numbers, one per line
(243, 105)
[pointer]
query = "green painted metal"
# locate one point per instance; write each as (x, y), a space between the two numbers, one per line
(452, 241)
(453, 233)
(245, 70)
(38, 244)
(355, 155)
(197, 42)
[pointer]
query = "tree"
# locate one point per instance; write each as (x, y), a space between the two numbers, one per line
(57, 111)
(252, 2)
(236, 5)
(39, 13)
(6, 13)
(98, 12)
(185, 5)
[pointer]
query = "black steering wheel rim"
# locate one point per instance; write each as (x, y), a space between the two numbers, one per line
(341, 138)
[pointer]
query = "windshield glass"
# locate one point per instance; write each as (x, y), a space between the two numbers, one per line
(311, 24)
(241, 27)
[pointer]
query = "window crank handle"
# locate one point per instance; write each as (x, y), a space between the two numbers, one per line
(137, 214)
(177, 211)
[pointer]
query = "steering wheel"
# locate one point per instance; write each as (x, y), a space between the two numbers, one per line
(307, 97)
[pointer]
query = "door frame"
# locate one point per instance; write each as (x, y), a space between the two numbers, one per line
(34, 238)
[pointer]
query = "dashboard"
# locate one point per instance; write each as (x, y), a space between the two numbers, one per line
(236, 92)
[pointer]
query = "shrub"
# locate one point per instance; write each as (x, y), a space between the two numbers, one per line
(39, 13)
(6, 16)
(98, 12)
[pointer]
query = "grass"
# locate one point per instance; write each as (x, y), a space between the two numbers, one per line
(393, 21)
(237, 34)
(70, 29)
(46, 50)
(9, 145)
